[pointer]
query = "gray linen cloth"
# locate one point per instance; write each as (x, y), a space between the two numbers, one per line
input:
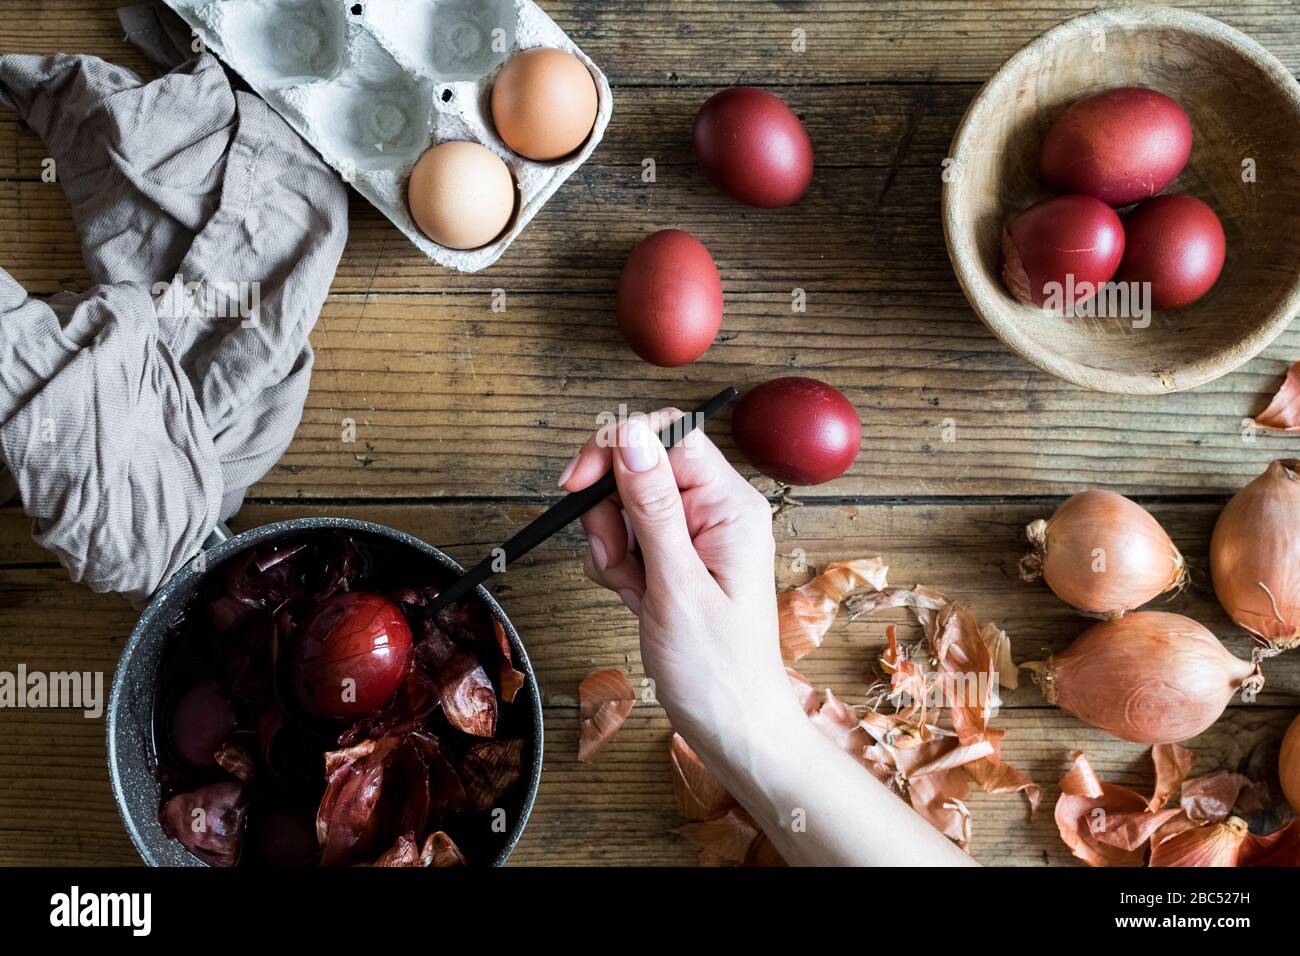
(134, 415)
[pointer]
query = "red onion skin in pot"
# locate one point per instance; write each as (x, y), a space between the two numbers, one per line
(350, 656)
(752, 147)
(202, 720)
(669, 303)
(1177, 244)
(1120, 146)
(1255, 555)
(1072, 242)
(797, 430)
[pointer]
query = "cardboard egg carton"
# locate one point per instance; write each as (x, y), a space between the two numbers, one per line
(372, 84)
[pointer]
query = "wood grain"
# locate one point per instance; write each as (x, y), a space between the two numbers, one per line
(689, 42)
(464, 416)
(619, 810)
(453, 399)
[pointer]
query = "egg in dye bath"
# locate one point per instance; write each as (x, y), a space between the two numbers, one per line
(461, 195)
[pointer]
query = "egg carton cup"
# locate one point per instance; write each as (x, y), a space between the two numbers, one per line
(372, 84)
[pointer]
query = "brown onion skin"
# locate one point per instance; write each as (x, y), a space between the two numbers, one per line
(1256, 545)
(1288, 765)
(1141, 562)
(1151, 677)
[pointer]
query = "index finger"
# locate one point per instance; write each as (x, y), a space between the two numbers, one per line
(595, 458)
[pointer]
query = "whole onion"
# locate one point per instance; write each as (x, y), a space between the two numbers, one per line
(201, 721)
(1150, 677)
(1103, 554)
(1289, 765)
(1255, 555)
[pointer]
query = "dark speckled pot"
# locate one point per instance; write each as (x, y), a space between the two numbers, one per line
(131, 759)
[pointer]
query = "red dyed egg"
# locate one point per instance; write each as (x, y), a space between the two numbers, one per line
(753, 148)
(350, 656)
(202, 720)
(1177, 244)
(1057, 252)
(669, 302)
(1120, 146)
(797, 430)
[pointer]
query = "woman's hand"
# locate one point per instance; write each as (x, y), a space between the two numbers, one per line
(687, 545)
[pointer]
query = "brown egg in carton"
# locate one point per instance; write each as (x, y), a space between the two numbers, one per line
(373, 84)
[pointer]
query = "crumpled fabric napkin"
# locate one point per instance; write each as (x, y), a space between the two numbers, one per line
(135, 415)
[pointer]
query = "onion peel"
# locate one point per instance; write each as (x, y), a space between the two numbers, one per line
(1210, 799)
(1283, 412)
(605, 698)
(1172, 765)
(698, 794)
(805, 613)
(724, 839)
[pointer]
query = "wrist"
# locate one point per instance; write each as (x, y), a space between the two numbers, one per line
(751, 745)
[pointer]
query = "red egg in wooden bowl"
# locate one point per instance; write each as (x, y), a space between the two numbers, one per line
(1244, 109)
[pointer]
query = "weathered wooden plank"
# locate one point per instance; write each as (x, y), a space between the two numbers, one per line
(851, 124)
(56, 806)
(739, 41)
(969, 551)
(857, 229)
(453, 399)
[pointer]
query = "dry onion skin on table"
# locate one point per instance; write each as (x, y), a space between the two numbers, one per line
(930, 764)
(1108, 825)
(605, 698)
(1255, 556)
(1103, 554)
(1150, 677)
(1283, 412)
(807, 612)
(405, 765)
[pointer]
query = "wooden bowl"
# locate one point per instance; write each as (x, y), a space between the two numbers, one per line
(1245, 113)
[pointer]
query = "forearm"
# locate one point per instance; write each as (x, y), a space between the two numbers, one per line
(817, 804)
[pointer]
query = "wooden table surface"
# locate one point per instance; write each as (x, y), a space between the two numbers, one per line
(465, 415)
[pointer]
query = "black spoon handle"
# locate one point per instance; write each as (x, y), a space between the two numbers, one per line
(569, 508)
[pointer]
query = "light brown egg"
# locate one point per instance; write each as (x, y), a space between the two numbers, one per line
(544, 103)
(461, 195)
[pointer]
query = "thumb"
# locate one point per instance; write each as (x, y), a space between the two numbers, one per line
(648, 489)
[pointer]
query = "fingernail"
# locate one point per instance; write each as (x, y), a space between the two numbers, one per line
(631, 532)
(599, 556)
(638, 451)
(631, 599)
(568, 471)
